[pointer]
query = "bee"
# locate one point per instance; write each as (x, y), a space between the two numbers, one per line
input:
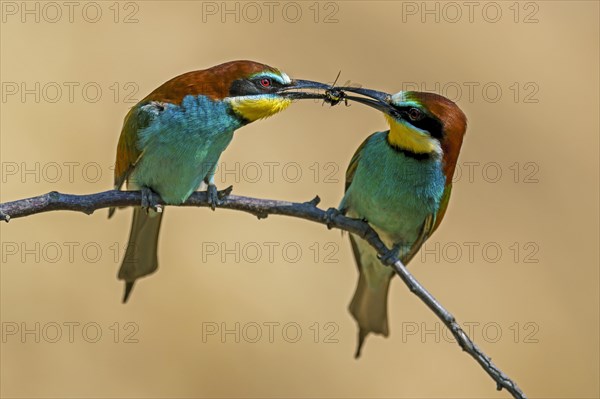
(335, 96)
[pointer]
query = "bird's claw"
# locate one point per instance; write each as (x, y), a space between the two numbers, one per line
(330, 215)
(150, 200)
(389, 257)
(215, 196)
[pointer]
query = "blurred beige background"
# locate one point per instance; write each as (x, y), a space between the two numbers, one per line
(526, 203)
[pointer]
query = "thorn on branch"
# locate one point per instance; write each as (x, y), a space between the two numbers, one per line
(314, 202)
(261, 215)
(225, 193)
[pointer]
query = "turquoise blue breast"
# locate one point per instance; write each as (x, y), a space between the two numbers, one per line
(181, 144)
(393, 191)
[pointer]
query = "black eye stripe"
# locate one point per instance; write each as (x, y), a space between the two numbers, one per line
(428, 123)
(244, 87)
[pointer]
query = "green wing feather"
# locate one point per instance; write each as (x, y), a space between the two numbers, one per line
(354, 162)
(429, 226)
(128, 153)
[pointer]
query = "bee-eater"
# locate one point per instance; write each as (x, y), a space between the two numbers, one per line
(171, 142)
(399, 181)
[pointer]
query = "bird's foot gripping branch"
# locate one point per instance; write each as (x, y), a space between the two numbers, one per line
(261, 208)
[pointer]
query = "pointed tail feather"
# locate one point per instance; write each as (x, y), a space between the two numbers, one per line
(362, 334)
(128, 288)
(140, 257)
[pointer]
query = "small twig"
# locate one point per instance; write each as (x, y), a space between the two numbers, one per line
(261, 208)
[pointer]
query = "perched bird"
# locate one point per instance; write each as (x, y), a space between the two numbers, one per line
(171, 142)
(399, 181)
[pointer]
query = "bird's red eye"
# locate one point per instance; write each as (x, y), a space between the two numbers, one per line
(265, 82)
(415, 114)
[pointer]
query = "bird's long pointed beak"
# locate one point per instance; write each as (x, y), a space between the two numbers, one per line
(379, 100)
(310, 86)
(374, 94)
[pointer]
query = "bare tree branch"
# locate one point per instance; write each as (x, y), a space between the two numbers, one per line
(261, 208)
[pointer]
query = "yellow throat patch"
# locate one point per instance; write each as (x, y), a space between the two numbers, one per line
(253, 108)
(410, 139)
